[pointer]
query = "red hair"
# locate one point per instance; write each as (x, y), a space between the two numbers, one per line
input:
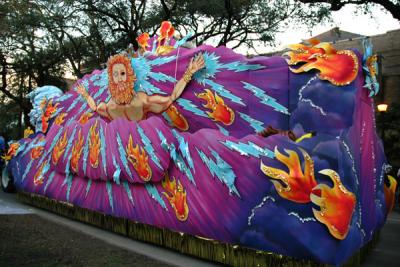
(125, 96)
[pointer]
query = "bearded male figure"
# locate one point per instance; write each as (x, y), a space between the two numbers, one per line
(127, 103)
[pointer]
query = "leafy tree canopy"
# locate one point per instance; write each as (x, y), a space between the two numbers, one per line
(42, 40)
(393, 6)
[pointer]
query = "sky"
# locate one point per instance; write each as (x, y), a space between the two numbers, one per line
(378, 21)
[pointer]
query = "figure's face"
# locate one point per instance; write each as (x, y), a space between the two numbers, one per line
(121, 79)
(119, 73)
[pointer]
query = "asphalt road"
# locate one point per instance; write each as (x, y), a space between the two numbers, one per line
(386, 253)
(9, 205)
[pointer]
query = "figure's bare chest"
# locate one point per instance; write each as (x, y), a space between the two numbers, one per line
(132, 111)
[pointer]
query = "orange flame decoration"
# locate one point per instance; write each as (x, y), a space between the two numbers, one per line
(84, 118)
(138, 158)
(43, 103)
(166, 30)
(338, 67)
(59, 149)
(94, 146)
(390, 193)
(76, 152)
(336, 205)
(50, 110)
(371, 62)
(12, 150)
(36, 152)
(27, 132)
(177, 119)
(297, 185)
(39, 178)
(142, 40)
(60, 118)
(176, 196)
(220, 111)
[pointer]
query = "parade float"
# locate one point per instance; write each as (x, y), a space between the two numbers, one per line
(260, 161)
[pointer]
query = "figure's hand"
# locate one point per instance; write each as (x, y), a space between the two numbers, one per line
(82, 91)
(196, 64)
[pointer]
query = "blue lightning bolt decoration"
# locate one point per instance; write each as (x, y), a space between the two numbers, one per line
(148, 147)
(71, 120)
(58, 111)
(110, 195)
(255, 124)
(27, 169)
(221, 169)
(152, 191)
(64, 97)
(161, 77)
(83, 107)
(249, 149)
(85, 155)
(68, 181)
(20, 148)
(27, 149)
(69, 144)
(49, 180)
(101, 81)
(220, 89)
(103, 149)
(266, 99)
(184, 148)
(67, 165)
(212, 67)
(85, 83)
(52, 145)
(128, 191)
(117, 171)
(67, 171)
(183, 40)
(238, 66)
(32, 145)
(189, 106)
(142, 69)
(164, 143)
(108, 98)
(122, 156)
(75, 102)
(177, 158)
(223, 130)
(88, 186)
(167, 118)
(149, 88)
(158, 61)
(180, 163)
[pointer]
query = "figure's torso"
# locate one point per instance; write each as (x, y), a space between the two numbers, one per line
(133, 111)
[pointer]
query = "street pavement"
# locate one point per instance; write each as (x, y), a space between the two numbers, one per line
(386, 253)
(10, 205)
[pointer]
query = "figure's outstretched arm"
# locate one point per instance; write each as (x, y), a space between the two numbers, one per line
(158, 103)
(101, 108)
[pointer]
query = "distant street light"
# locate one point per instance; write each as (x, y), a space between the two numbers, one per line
(382, 107)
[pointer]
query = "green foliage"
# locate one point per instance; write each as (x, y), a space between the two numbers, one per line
(364, 6)
(9, 113)
(42, 40)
